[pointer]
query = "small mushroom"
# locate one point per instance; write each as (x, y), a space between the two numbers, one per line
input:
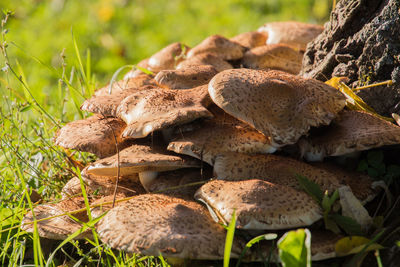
(295, 34)
(205, 59)
(96, 134)
(186, 78)
(351, 131)
(250, 39)
(168, 57)
(277, 57)
(154, 224)
(259, 205)
(278, 104)
(220, 46)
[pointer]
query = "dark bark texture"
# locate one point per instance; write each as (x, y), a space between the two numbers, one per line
(362, 42)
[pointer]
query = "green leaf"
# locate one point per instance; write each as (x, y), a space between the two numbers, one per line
(310, 188)
(295, 248)
(331, 225)
(26, 108)
(374, 158)
(229, 240)
(349, 225)
(362, 165)
(393, 170)
(255, 240)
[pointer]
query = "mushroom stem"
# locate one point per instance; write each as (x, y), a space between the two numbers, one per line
(146, 178)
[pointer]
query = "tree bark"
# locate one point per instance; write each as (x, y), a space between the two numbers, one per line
(362, 42)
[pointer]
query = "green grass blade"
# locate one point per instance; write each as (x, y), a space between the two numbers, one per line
(229, 239)
(253, 241)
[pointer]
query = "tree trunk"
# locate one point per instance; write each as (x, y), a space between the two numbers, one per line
(362, 42)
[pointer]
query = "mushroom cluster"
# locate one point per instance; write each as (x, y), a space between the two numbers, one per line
(217, 128)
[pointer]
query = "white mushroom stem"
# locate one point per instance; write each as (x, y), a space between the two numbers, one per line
(146, 178)
(352, 207)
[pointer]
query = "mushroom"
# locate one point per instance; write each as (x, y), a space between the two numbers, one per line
(351, 131)
(96, 134)
(250, 39)
(278, 104)
(154, 224)
(158, 109)
(186, 78)
(144, 64)
(135, 82)
(259, 205)
(205, 59)
(220, 46)
(168, 57)
(276, 56)
(295, 34)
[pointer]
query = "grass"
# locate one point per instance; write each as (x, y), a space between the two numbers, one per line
(54, 54)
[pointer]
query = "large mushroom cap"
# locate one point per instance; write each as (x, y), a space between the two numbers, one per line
(157, 109)
(259, 204)
(186, 78)
(96, 134)
(59, 227)
(205, 59)
(250, 39)
(140, 158)
(277, 57)
(351, 131)
(220, 46)
(276, 103)
(167, 58)
(295, 34)
(156, 225)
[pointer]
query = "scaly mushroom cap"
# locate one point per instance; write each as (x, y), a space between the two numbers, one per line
(107, 105)
(104, 204)
(140, 158)
(295, 34)
(351, 131)
(259, 204)
(276, 103)
(272, 168)
(95, 134)
(159, 108)
(61, 227)
(122, 85)
(186, 78)
(167, 58)
(220, 46)
(213, 139)
(250, 39)
(155, 224)
(277, 57)
(205, 59)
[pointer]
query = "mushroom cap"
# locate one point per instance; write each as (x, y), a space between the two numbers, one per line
(272, 168)
(295, 34)
(205, 59)
(276, 56)
(140, 158)
(154, 224)
(259, 204)
(276, 103)
(213, 139)
(351, 131)
(219, 45)
(58, 228)
(250, 39)
(167, 58)
(135, 82)
(101, 205)
(96, 134)
(159, 108)
(186, 78)
(107, 105)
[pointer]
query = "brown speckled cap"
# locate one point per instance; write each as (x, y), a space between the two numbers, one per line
(94, 134)
(186, 78)
(276, 56)
(213, 138)
(295, 34)
(351, 131)
(158, 109)
(220, 46)
(122, 85)
(58, 228)
(259, 204)
(250, 39)
(154, 224)
(167, 58)
(205, 59)
(140, 158)
(278, 104)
